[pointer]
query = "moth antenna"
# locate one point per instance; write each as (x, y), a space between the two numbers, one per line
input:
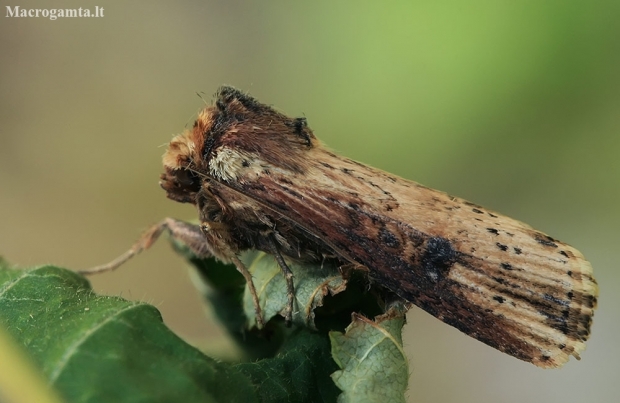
(200, 96)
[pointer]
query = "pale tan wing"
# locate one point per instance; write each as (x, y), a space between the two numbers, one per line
(490, 276)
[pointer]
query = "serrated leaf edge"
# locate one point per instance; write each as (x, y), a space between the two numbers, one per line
(324, 288)
(386, 334)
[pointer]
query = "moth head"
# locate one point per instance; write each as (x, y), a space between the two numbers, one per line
(178, 180)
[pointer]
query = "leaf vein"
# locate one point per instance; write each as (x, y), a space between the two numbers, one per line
(74, 347)
(14, 282)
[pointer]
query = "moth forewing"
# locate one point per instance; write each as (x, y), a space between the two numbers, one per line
(490, 276)
(266, 177)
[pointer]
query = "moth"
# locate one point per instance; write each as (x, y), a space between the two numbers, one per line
(261, 180)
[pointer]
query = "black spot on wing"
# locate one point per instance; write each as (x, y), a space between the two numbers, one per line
(493, 231)
(438, 257)
(545, 240)
(468, 203)
(506, 266)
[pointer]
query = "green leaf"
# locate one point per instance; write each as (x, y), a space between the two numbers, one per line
(222, 287)
(370, 354)
(105, 349)
(97, 349)
(312, 283)
(299, 373)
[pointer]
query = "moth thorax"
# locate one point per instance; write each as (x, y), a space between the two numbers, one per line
(227, 163)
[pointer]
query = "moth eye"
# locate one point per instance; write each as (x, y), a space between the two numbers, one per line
(186, 178)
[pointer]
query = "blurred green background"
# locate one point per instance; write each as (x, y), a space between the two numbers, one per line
(512, 105)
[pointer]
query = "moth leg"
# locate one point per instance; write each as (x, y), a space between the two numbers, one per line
(222, 245)
(288, 275)
(188, 233)
(204, 241)
(248, 279)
